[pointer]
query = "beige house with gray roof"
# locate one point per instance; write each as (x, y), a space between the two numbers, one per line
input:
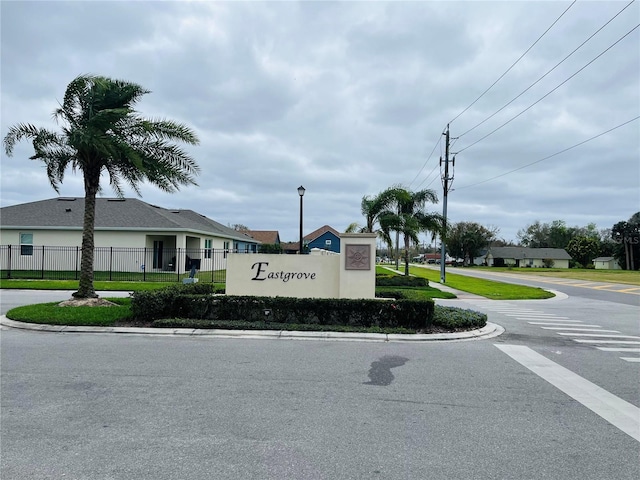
(527, 257)
(157, 239)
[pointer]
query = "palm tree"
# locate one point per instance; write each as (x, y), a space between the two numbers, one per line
(408, 217)
(371, 208)
(102, 133)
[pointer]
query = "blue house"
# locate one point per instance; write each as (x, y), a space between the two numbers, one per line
(326, 238)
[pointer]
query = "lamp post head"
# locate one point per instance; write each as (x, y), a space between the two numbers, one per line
(301, 190)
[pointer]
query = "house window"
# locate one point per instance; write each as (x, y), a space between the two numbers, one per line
(226, 249)
(327, 243)
(26, 244)
(208, 244)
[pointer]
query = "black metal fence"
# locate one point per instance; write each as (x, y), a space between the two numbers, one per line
(113, 263)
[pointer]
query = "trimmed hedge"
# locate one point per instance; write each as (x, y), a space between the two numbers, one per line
(153, 303)
(174, 303)
(457, 318)
(400, 281)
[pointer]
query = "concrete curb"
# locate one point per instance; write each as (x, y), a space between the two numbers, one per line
(489, 331)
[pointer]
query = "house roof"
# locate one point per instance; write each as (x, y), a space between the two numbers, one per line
(520, 253)
(264, 236)
(321, 231)
(603, 259)
(112, 213)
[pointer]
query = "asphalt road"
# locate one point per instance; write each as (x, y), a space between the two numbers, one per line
(533, 403)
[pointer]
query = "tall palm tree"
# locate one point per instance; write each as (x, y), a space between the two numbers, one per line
(371, 208)
(408, 217)
(102, 133)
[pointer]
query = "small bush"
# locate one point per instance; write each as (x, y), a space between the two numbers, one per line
(154, 303)
(396, 294)
(548, 262)
(457, 318)
(400, 281)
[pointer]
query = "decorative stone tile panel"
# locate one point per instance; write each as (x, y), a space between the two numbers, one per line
(357, 257)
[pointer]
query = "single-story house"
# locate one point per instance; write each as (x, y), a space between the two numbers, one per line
(267, 237)
(527, 257)
(145, 237)
(607, 263)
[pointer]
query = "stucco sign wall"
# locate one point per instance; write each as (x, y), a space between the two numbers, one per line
(350, 274)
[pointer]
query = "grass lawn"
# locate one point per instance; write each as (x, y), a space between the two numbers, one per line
(486, 288)
(73, 285)
(589, 275)
(52, 314)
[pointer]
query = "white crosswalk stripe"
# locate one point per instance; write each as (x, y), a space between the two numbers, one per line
(574, 329)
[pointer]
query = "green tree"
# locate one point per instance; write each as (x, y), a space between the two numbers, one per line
(626, 236)
(408, 217)
(583, 249)
(102, 133)
(371, 208)
(466, 240)
(535, 235)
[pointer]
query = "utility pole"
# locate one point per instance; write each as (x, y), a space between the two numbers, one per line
(445, 186)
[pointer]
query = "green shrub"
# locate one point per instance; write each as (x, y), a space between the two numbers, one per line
(400, 281)
(154, 303)
(412, 314)
(262, 325)
(548, 262)
(396, 294)
(458, 318)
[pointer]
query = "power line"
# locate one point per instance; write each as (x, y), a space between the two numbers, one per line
(550, 156)
(514, 63)
(428, 158)
(550, 92)
(547, 73)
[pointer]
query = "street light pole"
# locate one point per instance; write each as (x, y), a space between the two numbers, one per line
(301, 193)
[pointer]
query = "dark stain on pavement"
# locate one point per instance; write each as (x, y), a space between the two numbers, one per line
(380, 371)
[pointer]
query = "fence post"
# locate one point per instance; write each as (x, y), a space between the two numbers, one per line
(42, 266)
(110, 263)
(144, 265)
(77, 251)
(9, 263)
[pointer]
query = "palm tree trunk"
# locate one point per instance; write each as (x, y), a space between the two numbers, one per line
(626, 251)
(86, 288)
(406, 255)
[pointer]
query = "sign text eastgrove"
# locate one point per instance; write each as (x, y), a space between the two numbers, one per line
(262, 274)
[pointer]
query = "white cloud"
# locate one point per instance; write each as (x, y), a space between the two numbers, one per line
(348, 98)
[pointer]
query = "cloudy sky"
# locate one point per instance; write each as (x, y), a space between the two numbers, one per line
(349, 98)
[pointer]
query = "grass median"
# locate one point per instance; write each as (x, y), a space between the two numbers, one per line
(485, 288)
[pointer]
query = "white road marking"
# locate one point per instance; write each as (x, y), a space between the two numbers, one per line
(562, 324)
(616, 411)
(615, 342)
(549, 320)
(604, 335)
(579, 329)
(631, 359)
(619, 349)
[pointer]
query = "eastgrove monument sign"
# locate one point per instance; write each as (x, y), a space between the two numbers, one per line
(321, 274)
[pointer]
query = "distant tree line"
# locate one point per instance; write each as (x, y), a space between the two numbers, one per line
(621, 241)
